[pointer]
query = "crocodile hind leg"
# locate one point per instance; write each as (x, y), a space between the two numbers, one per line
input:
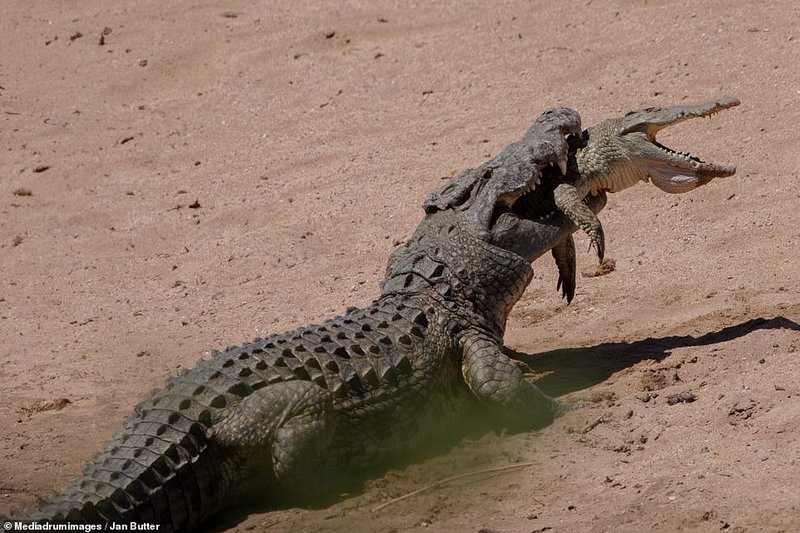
(498, 381)
(564, 254)
(288, 426)
(569, 200)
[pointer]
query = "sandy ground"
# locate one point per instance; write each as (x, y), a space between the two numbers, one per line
(178, 176)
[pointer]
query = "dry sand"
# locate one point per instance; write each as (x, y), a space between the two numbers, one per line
(215, 171)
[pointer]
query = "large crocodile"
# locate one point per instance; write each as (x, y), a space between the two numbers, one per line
(293, 412)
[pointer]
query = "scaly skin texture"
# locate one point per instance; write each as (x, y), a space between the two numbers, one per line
(617, 153)
(296, 411)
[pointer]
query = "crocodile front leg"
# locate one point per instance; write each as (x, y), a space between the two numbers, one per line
(569, 200)
(498, 382)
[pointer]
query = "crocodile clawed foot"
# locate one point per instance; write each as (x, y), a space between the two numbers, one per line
(600, 249)
(560, 408)
(553, 411)
(597, 241)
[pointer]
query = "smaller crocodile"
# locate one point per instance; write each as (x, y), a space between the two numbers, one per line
(618, 153)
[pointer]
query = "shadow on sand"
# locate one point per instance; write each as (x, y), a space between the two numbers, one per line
(573, 369)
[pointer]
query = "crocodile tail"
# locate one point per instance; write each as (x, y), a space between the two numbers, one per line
(160, 469)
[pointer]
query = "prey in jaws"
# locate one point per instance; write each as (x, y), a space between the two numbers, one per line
(616, 154)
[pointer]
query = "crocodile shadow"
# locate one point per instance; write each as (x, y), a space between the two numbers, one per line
(571, 369)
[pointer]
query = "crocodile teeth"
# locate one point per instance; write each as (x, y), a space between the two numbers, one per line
(530, 186)
(546, 216)
(562, 164)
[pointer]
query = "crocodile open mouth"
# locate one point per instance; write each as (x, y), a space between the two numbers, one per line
(695, 164)
(539, 204)
(632, 154)
(669, 169)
